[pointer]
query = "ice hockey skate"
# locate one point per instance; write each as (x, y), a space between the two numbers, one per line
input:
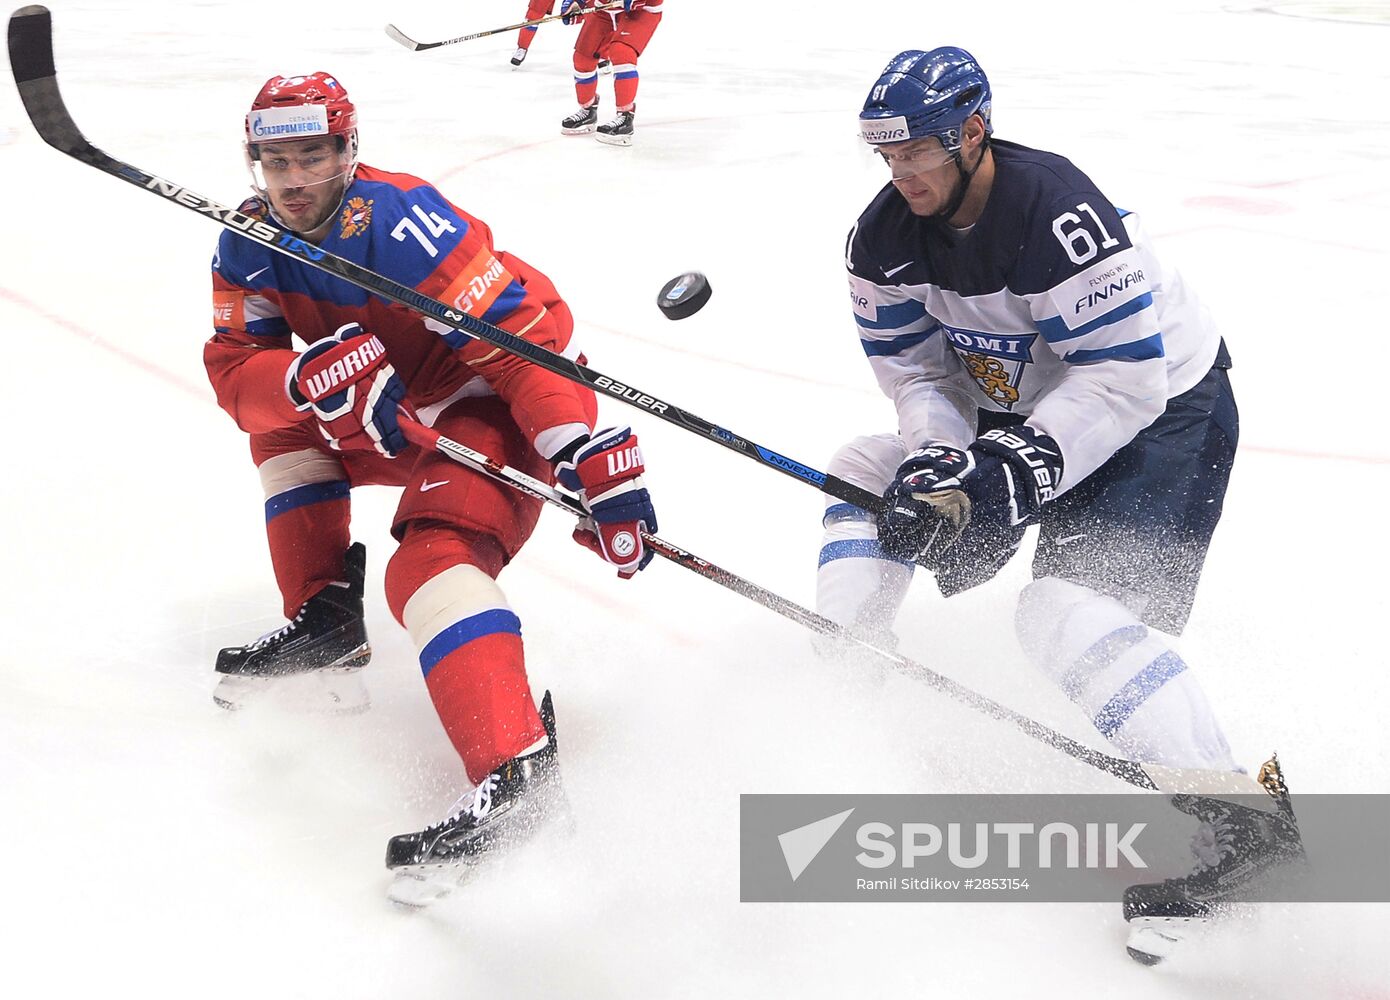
(314, 660)
(617, 131)
(506, 809)
(518, 57)
(605, 67)
(1236, 847)
(582, 122)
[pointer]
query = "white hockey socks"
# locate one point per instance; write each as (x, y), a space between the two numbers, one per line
(1137, 691)
(857, 584)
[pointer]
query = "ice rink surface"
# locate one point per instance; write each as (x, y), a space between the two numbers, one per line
(157, 846)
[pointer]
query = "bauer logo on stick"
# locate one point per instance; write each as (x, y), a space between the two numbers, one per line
(684, 295)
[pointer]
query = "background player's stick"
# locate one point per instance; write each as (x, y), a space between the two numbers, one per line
(1144, 776)
(398, 35)
(31, 58)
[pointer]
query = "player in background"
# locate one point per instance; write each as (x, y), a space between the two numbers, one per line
(621, 36)
(1047, 368)
(326, 418)
(536, 9)
(539, 9)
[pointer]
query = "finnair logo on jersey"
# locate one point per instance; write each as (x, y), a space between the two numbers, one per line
(884, 129)
(289, 123)
(1116, 286)
(1013, 347)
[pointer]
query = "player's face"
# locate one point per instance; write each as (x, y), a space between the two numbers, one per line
(304, 180)
(924, 173)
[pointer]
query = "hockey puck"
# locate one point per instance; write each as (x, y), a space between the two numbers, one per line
(684, 295)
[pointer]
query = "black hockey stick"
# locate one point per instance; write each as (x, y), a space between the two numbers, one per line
(397, 35)
(1126, 770)
(31, 58)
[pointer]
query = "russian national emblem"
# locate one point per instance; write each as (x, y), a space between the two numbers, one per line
(356, 217)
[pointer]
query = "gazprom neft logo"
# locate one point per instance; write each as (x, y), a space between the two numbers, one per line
(289, 123)
(878, 130)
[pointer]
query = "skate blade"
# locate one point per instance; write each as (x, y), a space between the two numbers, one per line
(416, 887)
(614, 140)
(1154, 939)
(581, 130)
(331, 690)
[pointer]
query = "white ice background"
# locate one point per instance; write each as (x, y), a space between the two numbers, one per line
(154, 845)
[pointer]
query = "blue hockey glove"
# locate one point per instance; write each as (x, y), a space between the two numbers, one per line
(982, 497)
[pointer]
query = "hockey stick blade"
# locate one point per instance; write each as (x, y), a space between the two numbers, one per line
(31, 59)
(397, 35)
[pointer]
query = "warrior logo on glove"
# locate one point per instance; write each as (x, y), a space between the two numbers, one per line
(352, 389)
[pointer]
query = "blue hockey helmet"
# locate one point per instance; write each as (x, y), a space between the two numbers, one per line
(922, 94)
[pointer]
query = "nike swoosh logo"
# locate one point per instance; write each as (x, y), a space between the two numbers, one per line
(253, 277)
(426, 486)
(889, 274)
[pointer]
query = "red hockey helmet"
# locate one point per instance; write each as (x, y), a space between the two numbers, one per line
(297, 107)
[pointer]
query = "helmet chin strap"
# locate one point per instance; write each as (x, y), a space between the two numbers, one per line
(966, 176)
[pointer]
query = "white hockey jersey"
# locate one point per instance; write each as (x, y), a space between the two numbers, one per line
(1052, 306)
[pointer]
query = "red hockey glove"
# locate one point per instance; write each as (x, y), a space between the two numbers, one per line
(572, 10)
(605, 472)
(352, 389)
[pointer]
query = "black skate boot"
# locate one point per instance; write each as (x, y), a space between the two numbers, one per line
(506, 809)
(582, 122)
(327, 639)
(617, 131)
(1236, 846)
